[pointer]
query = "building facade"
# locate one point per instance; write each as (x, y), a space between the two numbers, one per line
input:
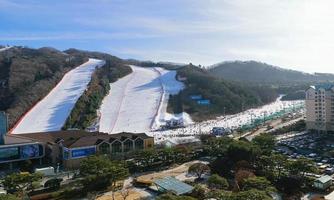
(319, 104)
(68, 148)
(17, 149)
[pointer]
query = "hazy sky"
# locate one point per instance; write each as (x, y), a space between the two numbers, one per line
(296, 34)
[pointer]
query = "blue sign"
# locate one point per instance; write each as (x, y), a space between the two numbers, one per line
(77, 153)
(196, 97)
(29, 151)
(203, 102)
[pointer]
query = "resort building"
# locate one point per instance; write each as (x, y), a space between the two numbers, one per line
(15, 149)
(319, 104)
(68, 148)
(63, 148)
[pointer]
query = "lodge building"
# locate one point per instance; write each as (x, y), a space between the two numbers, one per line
(68, 148)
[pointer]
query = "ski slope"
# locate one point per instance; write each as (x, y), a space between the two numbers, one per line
(51, 112)
(132, 102)
(138, 101)
(170, 86)
(229, 121)
(5, 48)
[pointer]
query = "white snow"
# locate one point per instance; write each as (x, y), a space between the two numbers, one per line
(138, 102)
(51, 112)
(132, 102)
(229, 121)
(170, 86)
(5, 48)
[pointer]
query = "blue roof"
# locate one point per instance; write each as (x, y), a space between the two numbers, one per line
(173, 185)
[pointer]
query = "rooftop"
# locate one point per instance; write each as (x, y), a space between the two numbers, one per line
(79, 138)
(325, 86)
(16, 139)
(173, 185)
(324, 179)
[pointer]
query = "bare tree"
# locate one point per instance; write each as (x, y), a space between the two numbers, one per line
(125, 192)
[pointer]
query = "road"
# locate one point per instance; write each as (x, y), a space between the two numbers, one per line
(277, 124)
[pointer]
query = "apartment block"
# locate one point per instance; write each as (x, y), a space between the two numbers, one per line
(319, 104)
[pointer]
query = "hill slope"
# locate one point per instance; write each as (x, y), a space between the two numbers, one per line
(225, 97)
(252, 71)
(84, 112)
(27, 75)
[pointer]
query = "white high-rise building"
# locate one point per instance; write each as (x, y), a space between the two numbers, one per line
(320, 108)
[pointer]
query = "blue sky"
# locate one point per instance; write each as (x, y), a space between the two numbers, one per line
(296, 34)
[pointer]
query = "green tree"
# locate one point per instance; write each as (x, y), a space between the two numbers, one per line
(199, 192)
(147, 157)
(53, 183)
(266, 142)
(199, 169)
(301, 166)
(289, 184)
(100, 172)
(217, 182)
(21, 182)
(252, 194)
(218, 146)
(259, 183)
(8, 197)
(244, 195)
(170, 196)
(242, 150)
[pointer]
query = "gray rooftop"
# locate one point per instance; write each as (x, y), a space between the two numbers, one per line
(173, 185)
(324, 179)
(325, 86)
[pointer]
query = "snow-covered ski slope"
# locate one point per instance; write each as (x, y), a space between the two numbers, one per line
(228, 121)
(170, 86)
(52, 111)
(5, 48)
(135, 101)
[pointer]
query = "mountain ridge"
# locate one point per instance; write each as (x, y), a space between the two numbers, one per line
(254, 71)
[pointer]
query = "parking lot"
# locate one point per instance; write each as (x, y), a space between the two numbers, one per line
(317, 147)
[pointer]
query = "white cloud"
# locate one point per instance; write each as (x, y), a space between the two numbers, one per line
(293, 33)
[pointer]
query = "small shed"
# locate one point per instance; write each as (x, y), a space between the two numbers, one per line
(171, 184)
(323, 182)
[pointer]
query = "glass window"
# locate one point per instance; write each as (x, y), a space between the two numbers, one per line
(128, 145)
(104, 148)
(116, 147)
(139, 144)
(11, 153)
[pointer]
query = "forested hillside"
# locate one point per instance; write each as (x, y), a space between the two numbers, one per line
(27, 75)
(225, 96)
(85, 111)
(256, 72)
(166, 65)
